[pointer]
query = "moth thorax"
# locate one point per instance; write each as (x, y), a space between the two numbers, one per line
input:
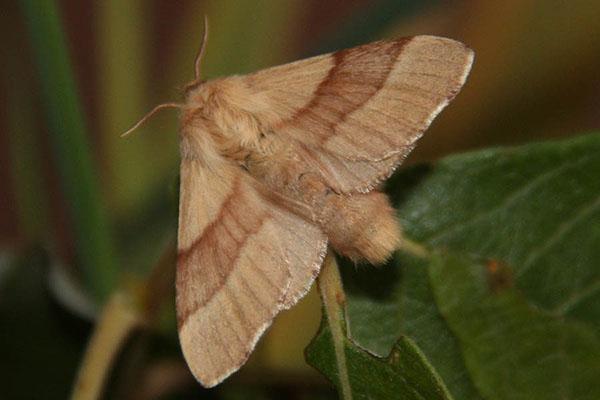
(231, 148)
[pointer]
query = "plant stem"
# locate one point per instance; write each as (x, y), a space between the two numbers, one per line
(118, 320)
(334, 301)
(413, 248)
(135, 306)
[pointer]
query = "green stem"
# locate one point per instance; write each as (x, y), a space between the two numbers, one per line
(334, 301)
(68, 133)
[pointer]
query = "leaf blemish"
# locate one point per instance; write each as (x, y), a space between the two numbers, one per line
(499, 276)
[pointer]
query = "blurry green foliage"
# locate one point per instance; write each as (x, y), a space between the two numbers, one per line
(68, 132)
(368, 24)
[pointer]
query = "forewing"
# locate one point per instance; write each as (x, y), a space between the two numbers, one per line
(241, 259)
(357, 113)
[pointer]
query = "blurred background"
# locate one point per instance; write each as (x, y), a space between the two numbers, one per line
(84, 213)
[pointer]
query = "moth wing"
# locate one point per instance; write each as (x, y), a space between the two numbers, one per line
(241, 259)
(357, 113)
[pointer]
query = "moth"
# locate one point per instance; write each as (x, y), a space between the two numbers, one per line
(277, 165)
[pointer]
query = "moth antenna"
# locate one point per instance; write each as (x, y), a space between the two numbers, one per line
(202, 49)
(150, 114)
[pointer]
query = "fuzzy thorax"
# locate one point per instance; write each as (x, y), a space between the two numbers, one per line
(225, 109)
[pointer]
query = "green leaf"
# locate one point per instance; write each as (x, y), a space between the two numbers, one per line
(513, 349)
(396, 300)
(404, 374)
(534, 207)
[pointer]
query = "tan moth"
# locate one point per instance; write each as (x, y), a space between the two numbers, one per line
(276, 165)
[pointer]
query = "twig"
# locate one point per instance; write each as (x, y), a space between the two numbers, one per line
(118, 320)
(135, 306)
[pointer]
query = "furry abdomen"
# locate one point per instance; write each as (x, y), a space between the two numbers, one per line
(361, 226)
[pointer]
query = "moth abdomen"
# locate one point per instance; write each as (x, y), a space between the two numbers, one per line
(361, 226)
